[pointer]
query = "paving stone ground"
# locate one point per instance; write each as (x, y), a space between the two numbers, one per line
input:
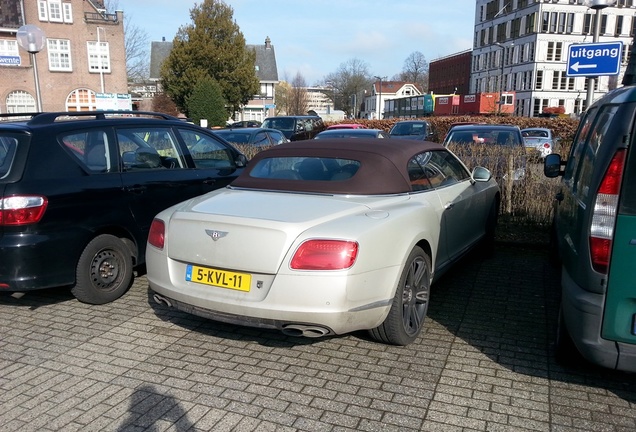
(483, 363)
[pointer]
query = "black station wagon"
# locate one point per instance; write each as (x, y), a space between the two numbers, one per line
(78, 192)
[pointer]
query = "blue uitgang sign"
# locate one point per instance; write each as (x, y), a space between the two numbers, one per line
(594, 59)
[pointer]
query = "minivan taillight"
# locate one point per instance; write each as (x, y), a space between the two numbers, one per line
(22, 210)
(157, 234)
(604, 213)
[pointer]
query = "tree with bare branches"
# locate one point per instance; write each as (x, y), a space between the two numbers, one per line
(298, 99)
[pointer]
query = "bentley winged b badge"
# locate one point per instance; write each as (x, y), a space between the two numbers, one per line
(216, 234)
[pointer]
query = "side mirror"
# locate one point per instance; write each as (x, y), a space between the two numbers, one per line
(241, 161)
(481, 174)
(553, 165)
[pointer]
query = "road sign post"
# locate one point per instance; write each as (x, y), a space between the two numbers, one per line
(594, 59)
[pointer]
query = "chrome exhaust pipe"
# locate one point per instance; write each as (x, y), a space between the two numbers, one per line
(310, 331)
(162, 300)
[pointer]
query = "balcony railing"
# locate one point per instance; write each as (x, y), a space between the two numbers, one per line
(100, 18)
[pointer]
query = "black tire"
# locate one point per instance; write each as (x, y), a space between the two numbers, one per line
(410, 303)
(565, 351)
(104, 271)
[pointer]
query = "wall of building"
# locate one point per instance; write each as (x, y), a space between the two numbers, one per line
(77, 27)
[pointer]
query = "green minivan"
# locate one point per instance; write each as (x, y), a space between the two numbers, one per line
(594, 232)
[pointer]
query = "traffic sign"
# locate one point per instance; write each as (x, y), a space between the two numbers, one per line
(594, 59)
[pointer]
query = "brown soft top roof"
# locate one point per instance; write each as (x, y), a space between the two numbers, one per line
(383, 165)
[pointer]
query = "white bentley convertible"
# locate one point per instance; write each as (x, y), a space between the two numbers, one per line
(324, 237)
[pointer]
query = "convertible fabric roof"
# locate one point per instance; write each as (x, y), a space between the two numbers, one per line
(383, 165)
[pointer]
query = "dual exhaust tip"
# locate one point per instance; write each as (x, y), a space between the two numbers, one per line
(295, 330)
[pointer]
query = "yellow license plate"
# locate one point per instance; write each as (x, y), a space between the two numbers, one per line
(218, 278)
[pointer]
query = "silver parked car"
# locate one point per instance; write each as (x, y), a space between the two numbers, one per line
(539, 142)
(313, 242)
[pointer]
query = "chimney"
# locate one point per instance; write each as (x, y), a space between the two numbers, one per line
(268, 43)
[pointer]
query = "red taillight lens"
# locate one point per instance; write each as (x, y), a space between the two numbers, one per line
(325, 255)
(156, 237)
(546, 145)
(604, 214)
(22, 210)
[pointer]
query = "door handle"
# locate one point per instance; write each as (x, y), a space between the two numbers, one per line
(449, 205)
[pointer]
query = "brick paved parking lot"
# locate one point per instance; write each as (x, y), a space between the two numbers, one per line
(483, 363)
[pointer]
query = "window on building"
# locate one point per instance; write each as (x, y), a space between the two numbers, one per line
(59, 52)
(619, 25)
(555, 51)
(569, 23)
(98, 57)
(561, 24)
(545, 22)
(554, 17)
(81, 100)
(539, 81)
(19, 102)
(626, 54)
(9, 48)
(55, 11)
(587, 24)
(515, 28)
(530, 23)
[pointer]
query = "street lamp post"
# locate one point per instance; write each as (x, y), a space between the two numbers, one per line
(32, 39)
(598, 6)
(379, 108)
(501, 79)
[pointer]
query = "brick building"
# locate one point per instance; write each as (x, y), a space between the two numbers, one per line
(83, 61)
(450, 74)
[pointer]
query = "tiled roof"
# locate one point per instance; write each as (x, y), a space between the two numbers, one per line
(266, 69)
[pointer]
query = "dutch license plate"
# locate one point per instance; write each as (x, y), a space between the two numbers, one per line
(218, 278)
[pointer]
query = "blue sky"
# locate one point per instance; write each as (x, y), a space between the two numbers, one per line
(314, 37)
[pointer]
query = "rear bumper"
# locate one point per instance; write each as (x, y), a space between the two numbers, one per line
(341, 302)
(583, 315)
(32, 261)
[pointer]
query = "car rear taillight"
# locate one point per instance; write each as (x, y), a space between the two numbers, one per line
(22, 210)
(604, 213)
(156, 237)
(546, 145)
(320, 254)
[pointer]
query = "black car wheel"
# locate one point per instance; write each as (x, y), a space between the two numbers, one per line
(104, 271)
(410, 303)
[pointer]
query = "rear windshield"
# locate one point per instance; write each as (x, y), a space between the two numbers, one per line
(282, 123)
(305, 168)
(8, 146)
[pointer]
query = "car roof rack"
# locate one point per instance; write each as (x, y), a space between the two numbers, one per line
(51, 117)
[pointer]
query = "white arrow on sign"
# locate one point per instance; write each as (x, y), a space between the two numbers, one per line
(576, 66)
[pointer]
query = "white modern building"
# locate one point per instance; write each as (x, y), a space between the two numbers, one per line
(523, 45)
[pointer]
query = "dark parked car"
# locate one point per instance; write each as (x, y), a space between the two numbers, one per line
(412, 129)
(258, 137)
(496, 145)
(78, 192)
(352, 133)
(595, 235)
(296, 128)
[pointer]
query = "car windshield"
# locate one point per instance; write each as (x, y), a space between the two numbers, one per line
(305, 168)
(484, 136)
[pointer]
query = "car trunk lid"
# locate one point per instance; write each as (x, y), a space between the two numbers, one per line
(249, 231)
